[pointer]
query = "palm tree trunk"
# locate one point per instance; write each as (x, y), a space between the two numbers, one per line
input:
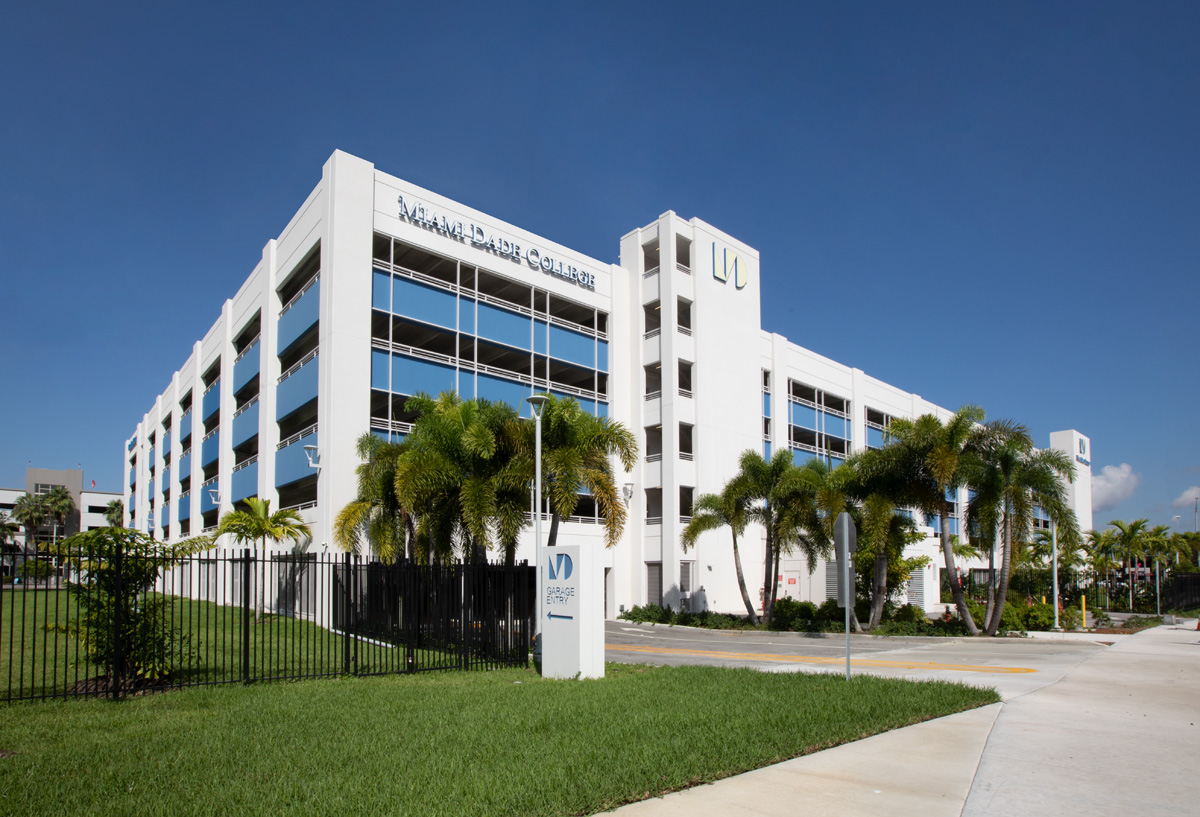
(991, 590)
(737, 564)
(956, 591)
(774, 580)
(552, 538)
(878, 591)
(767, 575)
(262, 585)
(1005, 568)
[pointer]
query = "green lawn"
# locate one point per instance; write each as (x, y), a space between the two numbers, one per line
(495, 743)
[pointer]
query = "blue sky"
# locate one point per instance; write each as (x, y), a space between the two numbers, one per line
(993, 204)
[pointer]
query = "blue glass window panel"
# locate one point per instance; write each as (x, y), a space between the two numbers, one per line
(410, 376)
(206, 503)
(381, 290)
(150, 459)
(166, 478)
(424, 303)
(185, 466)
(766, 405)
(803, 416)
(575, 347)
(952, 495)
(210, 450)
(541, 332)
(244, 482)
(504, 326)
(466, 317)
(834, 462)
(298, 389)
(165, 516)
(132, 477)
(150, 487)
(299, 318)
(836, 426)
(185, 508)
(291, 463)
(166, 443)
(602, 355)
(185, 426)
(874, 437)
(212, 399)
(380, 361)
(499, 390)
(953, 527)
(245, 425)
(246, 369)
(767, 449)
(601, 409)
(380, 433)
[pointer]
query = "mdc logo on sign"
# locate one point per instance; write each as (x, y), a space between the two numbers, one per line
(560, 567)
(728, 264)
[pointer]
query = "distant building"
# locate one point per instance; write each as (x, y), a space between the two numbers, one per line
(90, 504)
(378, 289)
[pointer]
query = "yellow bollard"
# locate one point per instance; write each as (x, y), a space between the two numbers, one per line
(1043, 599)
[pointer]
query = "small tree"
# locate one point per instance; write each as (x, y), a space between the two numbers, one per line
(122, 623)
(256, 526)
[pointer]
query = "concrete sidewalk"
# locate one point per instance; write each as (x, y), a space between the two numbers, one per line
(1108, 738)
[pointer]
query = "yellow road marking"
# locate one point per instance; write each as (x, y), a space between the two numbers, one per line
(819, 659)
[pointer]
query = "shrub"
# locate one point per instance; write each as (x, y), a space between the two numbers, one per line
(1068, 617)
(1039, 617)
(789, 614)
(909, 614)
(829, 612)
(647, 614)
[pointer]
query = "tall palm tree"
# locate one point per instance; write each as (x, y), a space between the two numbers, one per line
(1161, 545)
(114, 513)
(726, 509)
(1012, 478)
(32, 512)
(1129, 538)
(61, 505)
(375, 514)
(1103, 551)
(577, 451)
(460, 474)
(930, 455)
(763, 481)
(258, 524)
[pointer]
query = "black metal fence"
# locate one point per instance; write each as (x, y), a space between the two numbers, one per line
(72, 627)
(1182, 592)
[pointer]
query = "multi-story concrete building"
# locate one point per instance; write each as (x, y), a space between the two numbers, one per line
(90, 505)
(378, 289)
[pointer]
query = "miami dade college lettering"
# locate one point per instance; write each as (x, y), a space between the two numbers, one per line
(415, 212)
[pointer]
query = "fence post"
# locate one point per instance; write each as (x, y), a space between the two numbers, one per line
(346, 606)
(247, 572)
(464, 661)
(117, 665)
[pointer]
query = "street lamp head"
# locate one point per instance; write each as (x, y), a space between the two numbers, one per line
(537, 401)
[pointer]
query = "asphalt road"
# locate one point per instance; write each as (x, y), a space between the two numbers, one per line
(1013, 666)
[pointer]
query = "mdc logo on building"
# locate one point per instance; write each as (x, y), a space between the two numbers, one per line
(727, 264)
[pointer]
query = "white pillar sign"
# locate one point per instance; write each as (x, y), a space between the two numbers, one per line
(570, 583)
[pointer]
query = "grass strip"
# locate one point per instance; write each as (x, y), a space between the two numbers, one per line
(498, 743)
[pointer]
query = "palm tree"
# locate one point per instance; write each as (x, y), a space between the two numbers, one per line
(577, 451)
(114, 513)
(255, 526)
(763, 480)
(61, 505)
(1161, 546)
(376, 515)
(1103, 550)
(713, 511)
(1011, 478)
(929, 456)
(1129, 538)
(461, 475)
(31, 511)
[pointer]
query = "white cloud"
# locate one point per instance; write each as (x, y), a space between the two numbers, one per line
(1113, 485)
(1188, 498)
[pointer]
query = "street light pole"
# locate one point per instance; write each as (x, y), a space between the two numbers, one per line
(537, 402)
(1054, 568)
